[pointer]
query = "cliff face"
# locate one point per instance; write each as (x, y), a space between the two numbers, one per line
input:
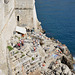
(10, 11)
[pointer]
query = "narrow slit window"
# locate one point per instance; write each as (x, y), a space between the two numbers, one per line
(17, 18)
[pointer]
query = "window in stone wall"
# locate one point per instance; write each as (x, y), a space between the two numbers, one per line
(17, 18)
(6, 1)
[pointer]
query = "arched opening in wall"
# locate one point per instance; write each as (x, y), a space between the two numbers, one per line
(6, 1)
(17, 18)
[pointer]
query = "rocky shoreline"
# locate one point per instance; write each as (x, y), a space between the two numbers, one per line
(36, 54)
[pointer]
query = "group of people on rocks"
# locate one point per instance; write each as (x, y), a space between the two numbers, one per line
(35, 44)
(19, 44)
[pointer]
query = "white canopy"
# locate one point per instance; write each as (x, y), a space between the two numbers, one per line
(21, 30)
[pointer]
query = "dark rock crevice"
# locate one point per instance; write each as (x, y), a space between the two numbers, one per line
(67, 62)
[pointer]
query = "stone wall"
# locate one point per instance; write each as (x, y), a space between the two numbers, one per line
(25, 17)
(27, 4)
(7, 25)
(26, 11)
(9, 10)
(1, 15)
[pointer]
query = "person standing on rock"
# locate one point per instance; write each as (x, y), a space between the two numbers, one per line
(18, 44)
(34, 48)
(22, 42)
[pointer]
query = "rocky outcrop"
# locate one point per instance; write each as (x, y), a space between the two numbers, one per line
(39, 52)
(67, 62)
(62, 69)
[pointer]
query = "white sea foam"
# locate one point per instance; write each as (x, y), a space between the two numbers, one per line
(74, 64)
(74, 58)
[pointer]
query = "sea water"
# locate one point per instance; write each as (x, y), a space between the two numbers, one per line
(58, 19)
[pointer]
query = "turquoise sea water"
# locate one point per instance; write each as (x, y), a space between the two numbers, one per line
(58, 19)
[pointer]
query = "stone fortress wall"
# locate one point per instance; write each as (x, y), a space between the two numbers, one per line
(26, 13)
(12, 13)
